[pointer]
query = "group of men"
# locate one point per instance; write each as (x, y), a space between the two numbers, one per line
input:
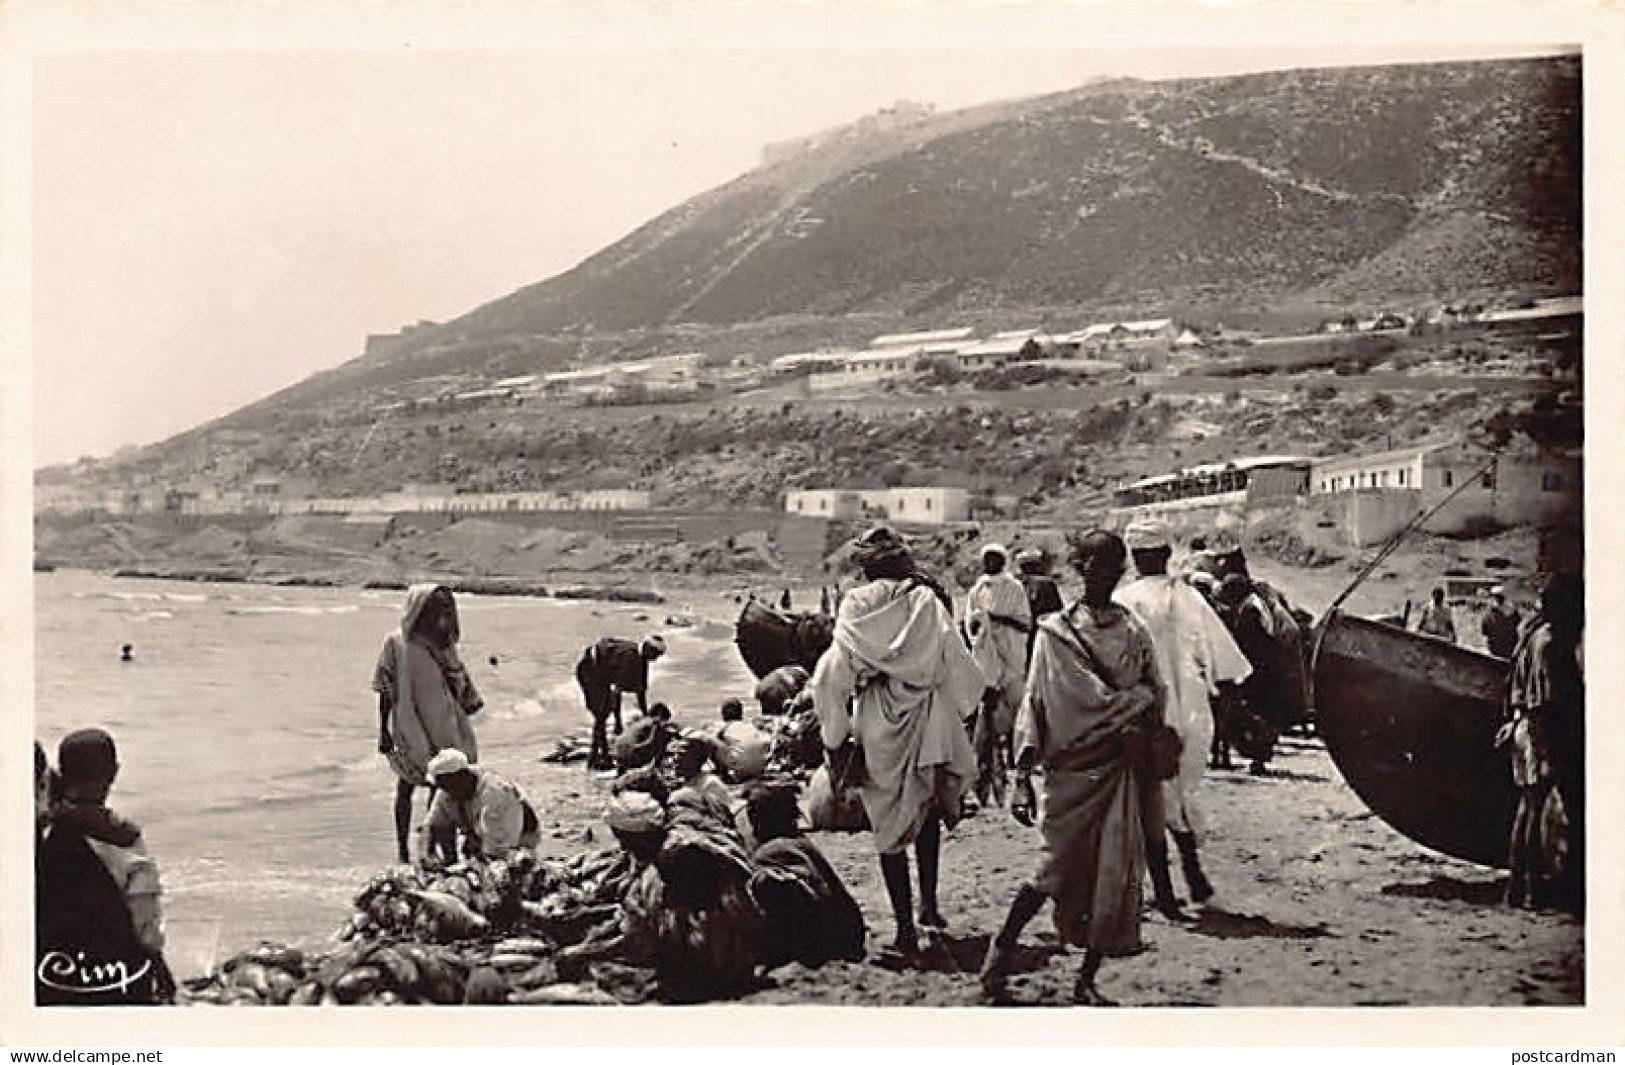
(1500, 626)
(1085, 692)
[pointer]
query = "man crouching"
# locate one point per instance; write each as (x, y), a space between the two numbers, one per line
(489, 812)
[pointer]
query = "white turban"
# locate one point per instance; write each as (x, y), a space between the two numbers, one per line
(635, 812)
(447, 762)
(1146, 534)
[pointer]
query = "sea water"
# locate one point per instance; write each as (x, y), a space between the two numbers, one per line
(247, 728)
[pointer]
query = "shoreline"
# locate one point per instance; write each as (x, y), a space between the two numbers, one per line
(1321, 903)
(494, 586)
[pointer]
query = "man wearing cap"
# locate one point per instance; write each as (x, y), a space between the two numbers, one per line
(998, 621)
(490, 812)
(1195, 655)
(1500, 625)
(98, 920)
(608, 669)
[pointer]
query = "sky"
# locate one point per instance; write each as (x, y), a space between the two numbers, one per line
(209, 226)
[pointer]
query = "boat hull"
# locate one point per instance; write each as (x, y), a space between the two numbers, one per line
(768, 638)
(1410, 722)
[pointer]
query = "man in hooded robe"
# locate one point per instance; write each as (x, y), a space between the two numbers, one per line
(425, 697)
(808, 914)
(1195, 655)
(899, 681)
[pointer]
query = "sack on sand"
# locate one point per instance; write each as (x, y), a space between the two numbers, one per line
(831, 810)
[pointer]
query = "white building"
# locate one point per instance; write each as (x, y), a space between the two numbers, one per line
(931, 336)
(834, 503)
(1214, 493)
(995, 351)
(928, 506)
(1555, 307)
(862, 369)
(817, 361)
(916, 506)
(1386, 490)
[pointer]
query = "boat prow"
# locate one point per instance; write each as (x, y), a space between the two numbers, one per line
(1410, 722)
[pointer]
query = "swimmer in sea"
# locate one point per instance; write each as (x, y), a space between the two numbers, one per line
(127, 653)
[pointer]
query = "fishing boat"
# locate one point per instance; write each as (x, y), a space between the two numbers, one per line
(769, 638)
(1410, 721)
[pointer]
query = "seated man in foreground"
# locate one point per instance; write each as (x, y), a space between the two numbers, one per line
(808, 914)
(489, 812)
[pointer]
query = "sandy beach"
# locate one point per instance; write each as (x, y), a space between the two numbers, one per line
(1319, 902)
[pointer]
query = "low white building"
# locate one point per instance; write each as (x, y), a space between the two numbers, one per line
(862, 369)
(995, 351)
(814, 360)
(1388, 489)
(928, 506)
(930, 336)
(834, 503)
(915, 506)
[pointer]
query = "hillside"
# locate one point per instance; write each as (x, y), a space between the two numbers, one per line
(1215, 194)
(1223, 197)
(1269, 183)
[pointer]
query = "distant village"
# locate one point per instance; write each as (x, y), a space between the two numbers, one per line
(1378, 492)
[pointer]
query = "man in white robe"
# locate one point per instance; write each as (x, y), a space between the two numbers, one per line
(999, 622)
(1195, 654)
(898, 681)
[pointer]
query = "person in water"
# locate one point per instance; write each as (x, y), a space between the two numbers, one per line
(425, 698)
(607, 670)
(127, 653)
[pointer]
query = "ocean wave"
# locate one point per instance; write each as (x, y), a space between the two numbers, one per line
(347, 608)
(563, 697)
(155, 615)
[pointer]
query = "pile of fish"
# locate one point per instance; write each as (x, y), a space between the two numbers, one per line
(519, 930)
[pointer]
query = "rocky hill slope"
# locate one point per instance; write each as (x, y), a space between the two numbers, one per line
(1370, 182)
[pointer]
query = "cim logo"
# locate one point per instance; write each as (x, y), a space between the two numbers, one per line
(78, 975)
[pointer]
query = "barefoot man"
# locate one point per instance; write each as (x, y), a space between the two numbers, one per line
(1093, 682)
